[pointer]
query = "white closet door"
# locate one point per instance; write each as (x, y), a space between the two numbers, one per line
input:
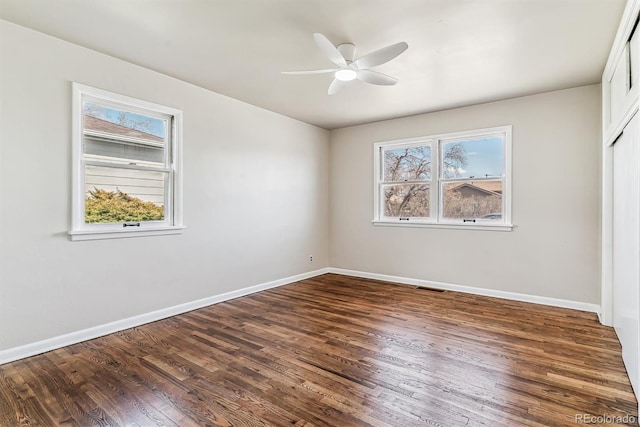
(626, 247)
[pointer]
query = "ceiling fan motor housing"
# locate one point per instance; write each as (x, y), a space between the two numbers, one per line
(348, 51)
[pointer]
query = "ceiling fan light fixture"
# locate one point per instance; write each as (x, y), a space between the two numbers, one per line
(349, 69)
(346, 75)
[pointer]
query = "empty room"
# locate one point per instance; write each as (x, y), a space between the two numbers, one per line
(340, 213)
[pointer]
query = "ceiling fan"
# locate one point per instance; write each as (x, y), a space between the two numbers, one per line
(349, 69)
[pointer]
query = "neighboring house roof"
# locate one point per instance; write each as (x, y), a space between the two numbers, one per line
(91, 123)
(487, 187)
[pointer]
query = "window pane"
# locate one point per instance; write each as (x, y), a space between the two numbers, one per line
(480, 200)
(474, 158)
(123, 195)
(116, 152)
(118, 136)
(407, 164)
(406, 200)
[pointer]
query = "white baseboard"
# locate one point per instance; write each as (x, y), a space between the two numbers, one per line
(555, 302)
(49, 344)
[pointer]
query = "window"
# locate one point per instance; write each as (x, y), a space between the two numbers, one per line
(456, 180)
(126, 166)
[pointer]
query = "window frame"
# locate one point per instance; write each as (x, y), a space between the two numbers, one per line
(435, 219)
(414, 142)
(172, 157)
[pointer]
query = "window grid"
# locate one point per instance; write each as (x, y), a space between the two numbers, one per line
(133, 188)
(491, 198)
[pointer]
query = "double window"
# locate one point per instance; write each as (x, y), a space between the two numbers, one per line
(126, 166)
(452, 180)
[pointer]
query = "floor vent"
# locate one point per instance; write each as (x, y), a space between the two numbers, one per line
(422, 288)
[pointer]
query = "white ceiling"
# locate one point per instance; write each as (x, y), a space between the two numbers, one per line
(461, 52)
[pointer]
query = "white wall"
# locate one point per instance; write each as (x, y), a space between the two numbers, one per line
(552, 252)
(258, 200)
(255, 197)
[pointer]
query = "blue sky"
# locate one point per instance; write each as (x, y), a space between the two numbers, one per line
(484, 157)
(149, 124)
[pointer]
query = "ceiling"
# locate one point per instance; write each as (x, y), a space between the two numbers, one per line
(461, 52)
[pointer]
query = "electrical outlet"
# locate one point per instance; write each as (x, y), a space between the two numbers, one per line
(310, 258)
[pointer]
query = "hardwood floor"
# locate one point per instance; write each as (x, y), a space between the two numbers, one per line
(333, 351)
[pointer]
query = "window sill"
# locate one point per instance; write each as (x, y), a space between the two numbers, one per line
(420, 224)
(78, 235)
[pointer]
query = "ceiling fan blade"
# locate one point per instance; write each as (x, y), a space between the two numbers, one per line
(332, 70)
(329, 50)
(335, 86)
(376, 78)
(381, 56)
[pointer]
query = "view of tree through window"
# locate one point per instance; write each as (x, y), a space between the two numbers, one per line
(468, 185)
(125, 171)
(127, 166)
(470, 189)
(115, 206)
(475, 199)
(410, 168)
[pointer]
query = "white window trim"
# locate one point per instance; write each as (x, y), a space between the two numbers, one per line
(434, 221)
(79, 230)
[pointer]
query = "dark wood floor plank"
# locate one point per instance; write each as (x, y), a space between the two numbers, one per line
(332, 351)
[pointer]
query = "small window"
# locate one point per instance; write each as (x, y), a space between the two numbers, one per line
(126, 179)
(452, 180)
